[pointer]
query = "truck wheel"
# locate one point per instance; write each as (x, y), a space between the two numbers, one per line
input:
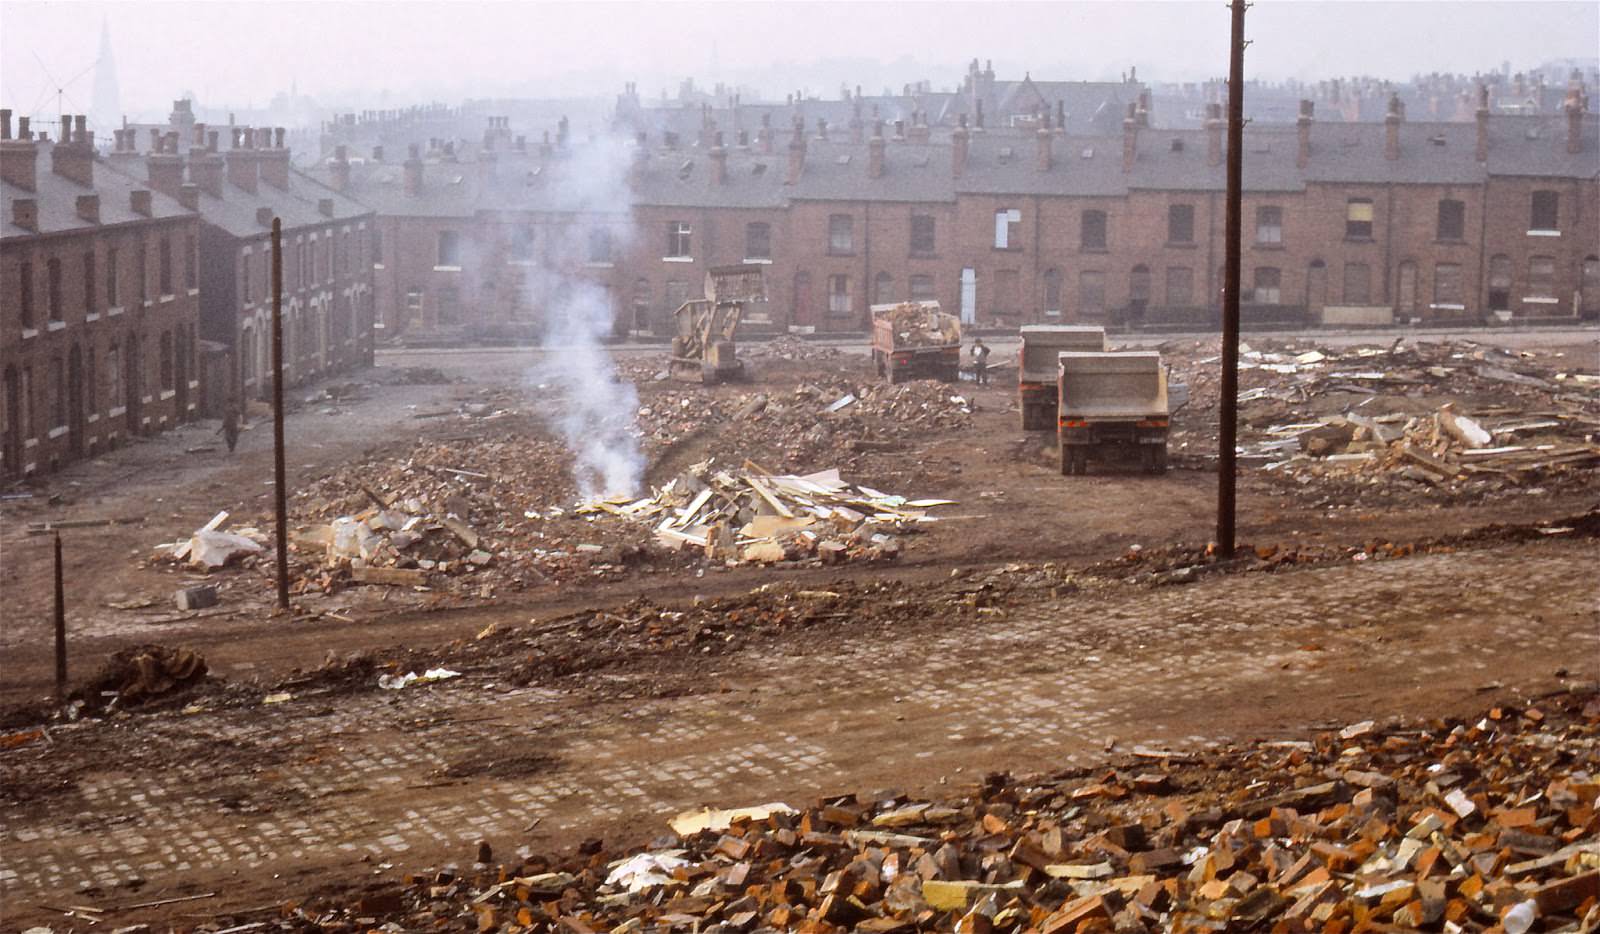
(1083, 461)
(877, 361)
(1068, 462)
(1030, 418)
(1161, 459)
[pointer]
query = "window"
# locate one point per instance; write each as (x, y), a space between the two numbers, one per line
(58, 393)
(1357, 284)
(758, 241)
(1358, 219)
(1546, 211)
(141, 261)
(165, 269)
(166, 361)
(414, 306)
(882, 289)
(114, 391)
(111, 277)
(53, 284)
(1091, 293)
(921, 288)
(521, 248)
(191, 264)
(1447, 286)
(600, 245)
(1591, 284)
(1180, 286)
(678, 243)
(922, 235)
(1008, 229)
(1541, 277)
(1180, 223)
(244, 278)
(30, 425)
(327, 258)
(449, 251)
(91, 283)
(25, 300)
(1500, 283)
(1452, 220)
(838, 295)
(1268, 286)
(301, 264)
(1139, 287)
(1052, 292)
(91, 385)
(841, 234)
(641, 304)
(1269, 225)
(677, 294)
(1092, 230)
(377, 247)
(1007, 301)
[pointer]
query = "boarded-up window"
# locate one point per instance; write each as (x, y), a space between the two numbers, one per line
(841, 234)
(922, 235)
(1447, 286)
(449, 252)
(1008, 229)
(1268, 287)
(1052, 292)
(1007, 301)
(1092, 230)
(839, 295)
(1357, 283)
(921, 288)
(1269, 225)
(1500, 282)
(758, 241)
(1546, 211)
(1541, 277)
(1452, 219)
(1091, 293)
(882, 288)
(1180, 286)
(1180, 223)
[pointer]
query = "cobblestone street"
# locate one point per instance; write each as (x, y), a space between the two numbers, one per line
(422, 774)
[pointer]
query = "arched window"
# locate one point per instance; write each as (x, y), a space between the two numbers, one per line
(1052, 292)
(1316, 285)
(1268, 286)
(1590, 304)
(882, 289)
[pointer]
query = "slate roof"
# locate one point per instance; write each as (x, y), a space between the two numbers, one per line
(57, 199)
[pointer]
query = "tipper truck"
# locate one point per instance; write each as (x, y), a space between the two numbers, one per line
(915, 340)
(1038, 364)
(1112, 402)
(703, 350)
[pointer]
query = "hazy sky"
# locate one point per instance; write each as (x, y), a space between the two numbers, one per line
(241, 53)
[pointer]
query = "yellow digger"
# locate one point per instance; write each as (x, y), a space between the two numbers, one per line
(703, 351)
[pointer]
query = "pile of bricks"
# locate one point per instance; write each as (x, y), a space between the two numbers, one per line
(1486, 824)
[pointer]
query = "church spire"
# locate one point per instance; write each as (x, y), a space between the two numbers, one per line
(106, 107)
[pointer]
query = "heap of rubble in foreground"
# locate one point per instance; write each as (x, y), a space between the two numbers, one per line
(1488, 824)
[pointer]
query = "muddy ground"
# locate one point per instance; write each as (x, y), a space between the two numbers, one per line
(595, 638)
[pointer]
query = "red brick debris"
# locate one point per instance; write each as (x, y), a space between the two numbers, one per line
(1487, 824)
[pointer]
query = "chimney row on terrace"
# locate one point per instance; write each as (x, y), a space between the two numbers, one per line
(875, 149)
(243, 170)
(18, 156)
(1391, 129)
(72, 157)
(1482, 115)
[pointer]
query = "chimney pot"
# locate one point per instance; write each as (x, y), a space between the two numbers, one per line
(5, 123)
(23, 132)
(82, 135)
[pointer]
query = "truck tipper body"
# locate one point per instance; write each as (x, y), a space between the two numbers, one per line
(1038, 364)
(1110, 404)
(915, 340)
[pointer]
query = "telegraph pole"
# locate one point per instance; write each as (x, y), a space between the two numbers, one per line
(1227, 467)
(278, 484)
(61, 628)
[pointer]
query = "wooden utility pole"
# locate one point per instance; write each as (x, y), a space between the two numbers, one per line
(61, 628)
(278, 483)
(1227, 462)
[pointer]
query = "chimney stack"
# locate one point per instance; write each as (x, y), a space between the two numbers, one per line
(875, 147)
(339, 169)
(413, 172)
(377, 154)
(1482, 116)
(1061, 118)
(764, 135)
(5, 123)
(264, 216)
(72, 157)
(1391, 127)
(25, 213)
(165, 166)
(325, 207)
(243, 170)
(189, 196)
(18, 157)
(1574, 106)
(1045, 156)
(139, 201)
(958, 149)
(1303, 124)
(797, 153)
(89, 208)
(719, 160)
(274, 158)
(1130, 138)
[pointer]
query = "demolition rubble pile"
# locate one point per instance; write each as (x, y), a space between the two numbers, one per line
(914, 325)
(751, 516)
(1456, 417)
(1485, 824)
(789, 347)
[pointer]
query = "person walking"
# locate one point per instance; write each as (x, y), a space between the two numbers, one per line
(980, 362)
(230, 425)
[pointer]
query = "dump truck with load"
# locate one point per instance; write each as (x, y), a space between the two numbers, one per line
(703, 349)
(1110, 403)
(915, 340)
(1037, 365)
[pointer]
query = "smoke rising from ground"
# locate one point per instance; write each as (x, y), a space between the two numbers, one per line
(589, 407)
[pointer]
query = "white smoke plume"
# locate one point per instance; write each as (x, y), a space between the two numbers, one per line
(589, 407)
